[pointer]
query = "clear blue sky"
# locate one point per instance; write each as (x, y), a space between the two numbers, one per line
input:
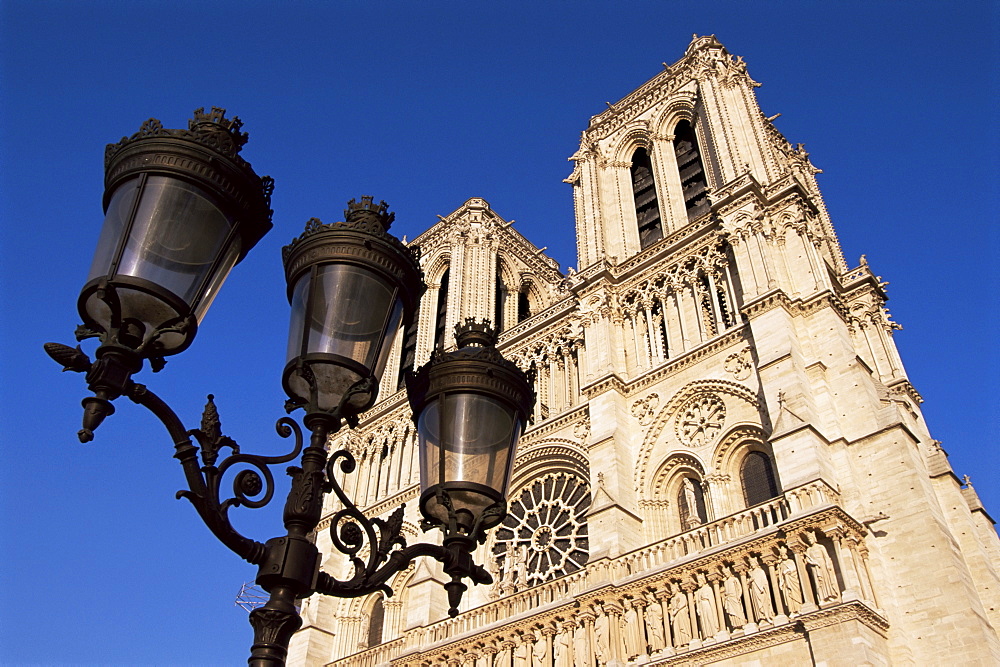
(424, 105)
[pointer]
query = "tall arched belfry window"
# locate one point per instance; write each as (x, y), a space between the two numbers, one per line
(647, 208)
(523, 306)
(692, 170)
(758, 478)
(501, 294)
(375, 623)
(441, 322)
(408, 353)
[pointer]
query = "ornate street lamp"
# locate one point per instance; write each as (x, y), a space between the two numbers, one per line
(470, 406)
(182, 209)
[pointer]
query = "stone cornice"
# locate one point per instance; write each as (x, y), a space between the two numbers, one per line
(777, 298)
(549, 426)
(732, 337)
(541, 323)
(781, 634)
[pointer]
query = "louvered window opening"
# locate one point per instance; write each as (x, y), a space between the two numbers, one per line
(647, 208)
(757, 476)
(407, 354)
(692, 170)
(442, 312)
(523, 307)
(501, 292)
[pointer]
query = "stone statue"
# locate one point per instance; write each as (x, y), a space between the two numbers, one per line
(507, 583)
(521, 564)
(521, 653)
(564, 649)
(538, 650)
(788, 580)
(691, 500)
(732, 600)
(818, 562)
(602, 638)
(705, 604)
(502, 657)
(634, 645)
(680, 618)
(581, 645)
(760, 591)
(654, 626)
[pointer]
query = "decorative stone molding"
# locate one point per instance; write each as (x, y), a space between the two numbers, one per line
(739, 364)
(644, 409)
(700, 420)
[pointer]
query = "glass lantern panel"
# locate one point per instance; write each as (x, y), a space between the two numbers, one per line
(175, 238)
(466, 437)
(348, 311)
(115, 224)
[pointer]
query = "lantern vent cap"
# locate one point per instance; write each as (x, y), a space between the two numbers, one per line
(475, 334)
(365, 217)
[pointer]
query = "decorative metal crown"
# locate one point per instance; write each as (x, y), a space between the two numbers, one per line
(471, 332)
(216, 121)
(367, 210)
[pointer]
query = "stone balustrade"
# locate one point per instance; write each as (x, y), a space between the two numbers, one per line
(757, 572)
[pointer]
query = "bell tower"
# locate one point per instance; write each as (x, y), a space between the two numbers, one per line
(726, 463)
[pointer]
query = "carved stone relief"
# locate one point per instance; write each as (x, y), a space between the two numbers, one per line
(740, 364)
(701, 420)
(645, 409)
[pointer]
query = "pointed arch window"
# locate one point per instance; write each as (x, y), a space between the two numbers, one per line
(757, 478)
(441, 322)
(647, 208)
(523, 306)
(501, 294)
(692, 170)
(376, 622)
(407, 353)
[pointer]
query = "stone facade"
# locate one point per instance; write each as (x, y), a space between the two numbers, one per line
(727, 464)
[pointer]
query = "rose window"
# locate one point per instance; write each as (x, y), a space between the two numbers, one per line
(545, 534)
(701, 420)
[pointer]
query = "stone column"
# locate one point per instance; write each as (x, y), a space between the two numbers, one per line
(715, 579)
(688, 587)
(615, 639)
(859, 552)
(771, 563)
(681, 322)
(720, 323)
(845, 561)
(505, 657)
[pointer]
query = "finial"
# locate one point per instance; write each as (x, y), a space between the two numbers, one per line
(215, 121)
(478, 334)
(367, 211)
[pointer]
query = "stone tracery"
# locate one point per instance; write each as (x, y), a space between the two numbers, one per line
(545, 535)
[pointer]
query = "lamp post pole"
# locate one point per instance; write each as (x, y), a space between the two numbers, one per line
(182, 209)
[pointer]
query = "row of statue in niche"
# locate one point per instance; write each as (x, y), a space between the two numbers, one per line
(711, 605)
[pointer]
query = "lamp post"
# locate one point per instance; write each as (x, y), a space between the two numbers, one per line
(182, 209)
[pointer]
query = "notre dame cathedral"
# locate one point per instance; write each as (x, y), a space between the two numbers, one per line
(726, 465)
